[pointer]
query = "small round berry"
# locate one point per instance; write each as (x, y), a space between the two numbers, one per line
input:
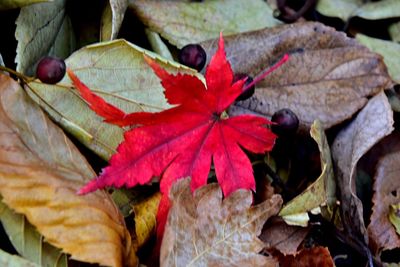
(286, 121)
(250, 91)
(50, 70)
(193, 55)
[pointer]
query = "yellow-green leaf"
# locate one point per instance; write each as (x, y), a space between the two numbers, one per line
(145, 218)
(28, 242)
(157, 44)
(346, 9)
(111, 20)
(8, 260)
(389, 50)
(394, 217)
(9, 4)
(40, 173)
(394, 31)
(318, 194)
(182, 23)
(115, 70)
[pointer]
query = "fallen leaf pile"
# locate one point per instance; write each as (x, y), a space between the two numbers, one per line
(186, 174)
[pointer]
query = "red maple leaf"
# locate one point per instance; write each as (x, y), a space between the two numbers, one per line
(183, 141)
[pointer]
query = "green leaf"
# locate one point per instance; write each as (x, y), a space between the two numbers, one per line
(182, 23)
(116, 70)
(28, 242)
(389, 50)
(157, 44)
(321, 193)
(346, 9)
(394, 31)
(394, 217)
(8, 260)
(111, 20)
(42, 29)
(9, 4)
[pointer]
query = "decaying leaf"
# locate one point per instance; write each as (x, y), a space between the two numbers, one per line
(327, 78)
(113, 15)
(316, 256)
(283, 237)
(372, 124)
(9, 4)
(42, 29)
(389, 50)
(386, 193)
(321, 193)
(28, 242)
(145, 218)
(114, 70)
(185, 22)
(204, 230)
(40, 173)
(345, 9)
(8, 260)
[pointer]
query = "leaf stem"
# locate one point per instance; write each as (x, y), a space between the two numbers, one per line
(19, 75)
(268, 71)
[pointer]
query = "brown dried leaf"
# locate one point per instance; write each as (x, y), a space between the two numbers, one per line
(40, 173)
(316, 256)
(381, 232)
(372, 124)
(203, 230)
(283, 237)
(327, 78)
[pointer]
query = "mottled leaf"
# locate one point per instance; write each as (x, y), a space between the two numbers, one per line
(42, 29)
(117, 72)
(40, 173)
(372, 124)
(328, 76)
(9, 4)
(8, 260)
(145, 218)
(283, 237)
(386, 193)
(346, 9)
(182, 23)
(111, 20)
(28, 242)
(204, 230)
(389, 50)
(322, 192)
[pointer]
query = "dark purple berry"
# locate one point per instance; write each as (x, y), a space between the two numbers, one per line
(286, 121)
(193, 55)
(250, 91)
(50, 70)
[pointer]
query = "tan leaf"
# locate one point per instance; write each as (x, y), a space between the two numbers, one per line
(283, 237)
(372, 124)
(328, 77)
(40, 172)
(386, 193)
(204, 230)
